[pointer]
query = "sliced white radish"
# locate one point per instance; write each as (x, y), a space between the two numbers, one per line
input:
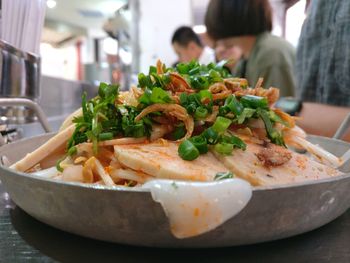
(47, 173)
(73, 173)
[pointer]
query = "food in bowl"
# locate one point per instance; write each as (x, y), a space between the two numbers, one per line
(189, 124)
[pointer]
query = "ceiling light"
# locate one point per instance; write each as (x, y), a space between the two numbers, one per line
(51, 3)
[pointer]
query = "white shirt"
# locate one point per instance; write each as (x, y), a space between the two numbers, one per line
(207, 56)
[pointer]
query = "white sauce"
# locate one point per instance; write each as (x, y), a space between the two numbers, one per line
(194, 208)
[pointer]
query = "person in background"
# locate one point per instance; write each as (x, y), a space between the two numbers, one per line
(247, 24)
(323, 55)
(188, 46)
(232, 55)
(323, 67)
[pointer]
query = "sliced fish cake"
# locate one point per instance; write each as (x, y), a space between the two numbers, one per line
(160, 159)
(274, 166)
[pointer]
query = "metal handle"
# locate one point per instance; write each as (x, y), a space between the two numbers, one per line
(342, 128)
(31, 105)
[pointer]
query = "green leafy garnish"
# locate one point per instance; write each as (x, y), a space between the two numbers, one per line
(254, 102)
(188, 151)
(235, 141)
(58, 163)
(223, 148)
(103, 119)
(231, 105)
(179, 132)
(223, 175)
(188, 84)
(156, 95)
(211, 136)
(200, 143)
(246, 114)
(275, 136)
(221, 124)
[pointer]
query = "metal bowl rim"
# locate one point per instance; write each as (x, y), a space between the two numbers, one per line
(140, 189)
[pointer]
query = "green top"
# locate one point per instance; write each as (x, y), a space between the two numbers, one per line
(273, 59)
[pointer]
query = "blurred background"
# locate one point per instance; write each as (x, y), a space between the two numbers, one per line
(113, 40)
(85, 42)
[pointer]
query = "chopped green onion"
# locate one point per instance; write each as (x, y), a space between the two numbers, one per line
(152, 70)
(255, 102)
(107, 90)
(223, 175)
(86, 114)
(72, 150)
(188, 151)
(235, 141)
(160, 96)
(275, 118)
(272, 133)
(135, 130)
(223, 148)
(194, 71)
(214, 76)
(246, 114)
(199, 82)
(182, 68)
(201, 113)
(159, 80)
(211, 135)
(190, 102)
(58, 163)
(179, 132)
(146, 97)
(201, 143)
(205, 94)
(221, 124)
(195, 98)
(144, 81)
(156, 95)
(105, 136)
(233, 105)
(183, 98)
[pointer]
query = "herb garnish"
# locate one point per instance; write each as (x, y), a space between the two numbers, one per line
(104, 118)
(223, 175)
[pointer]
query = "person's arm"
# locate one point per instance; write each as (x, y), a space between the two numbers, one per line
(321, 119)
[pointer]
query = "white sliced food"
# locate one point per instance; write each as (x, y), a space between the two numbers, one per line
(44, 150)
(103, 174)
(73, 173)
(46, 173)
(130, 175)
(246, 165)
(161, 160)
(194, 208)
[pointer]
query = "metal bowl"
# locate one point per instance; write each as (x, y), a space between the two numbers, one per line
(132, 217)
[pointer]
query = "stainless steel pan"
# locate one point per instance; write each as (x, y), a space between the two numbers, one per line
(132, 217)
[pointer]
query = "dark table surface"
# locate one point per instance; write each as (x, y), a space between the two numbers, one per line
(24, 239)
